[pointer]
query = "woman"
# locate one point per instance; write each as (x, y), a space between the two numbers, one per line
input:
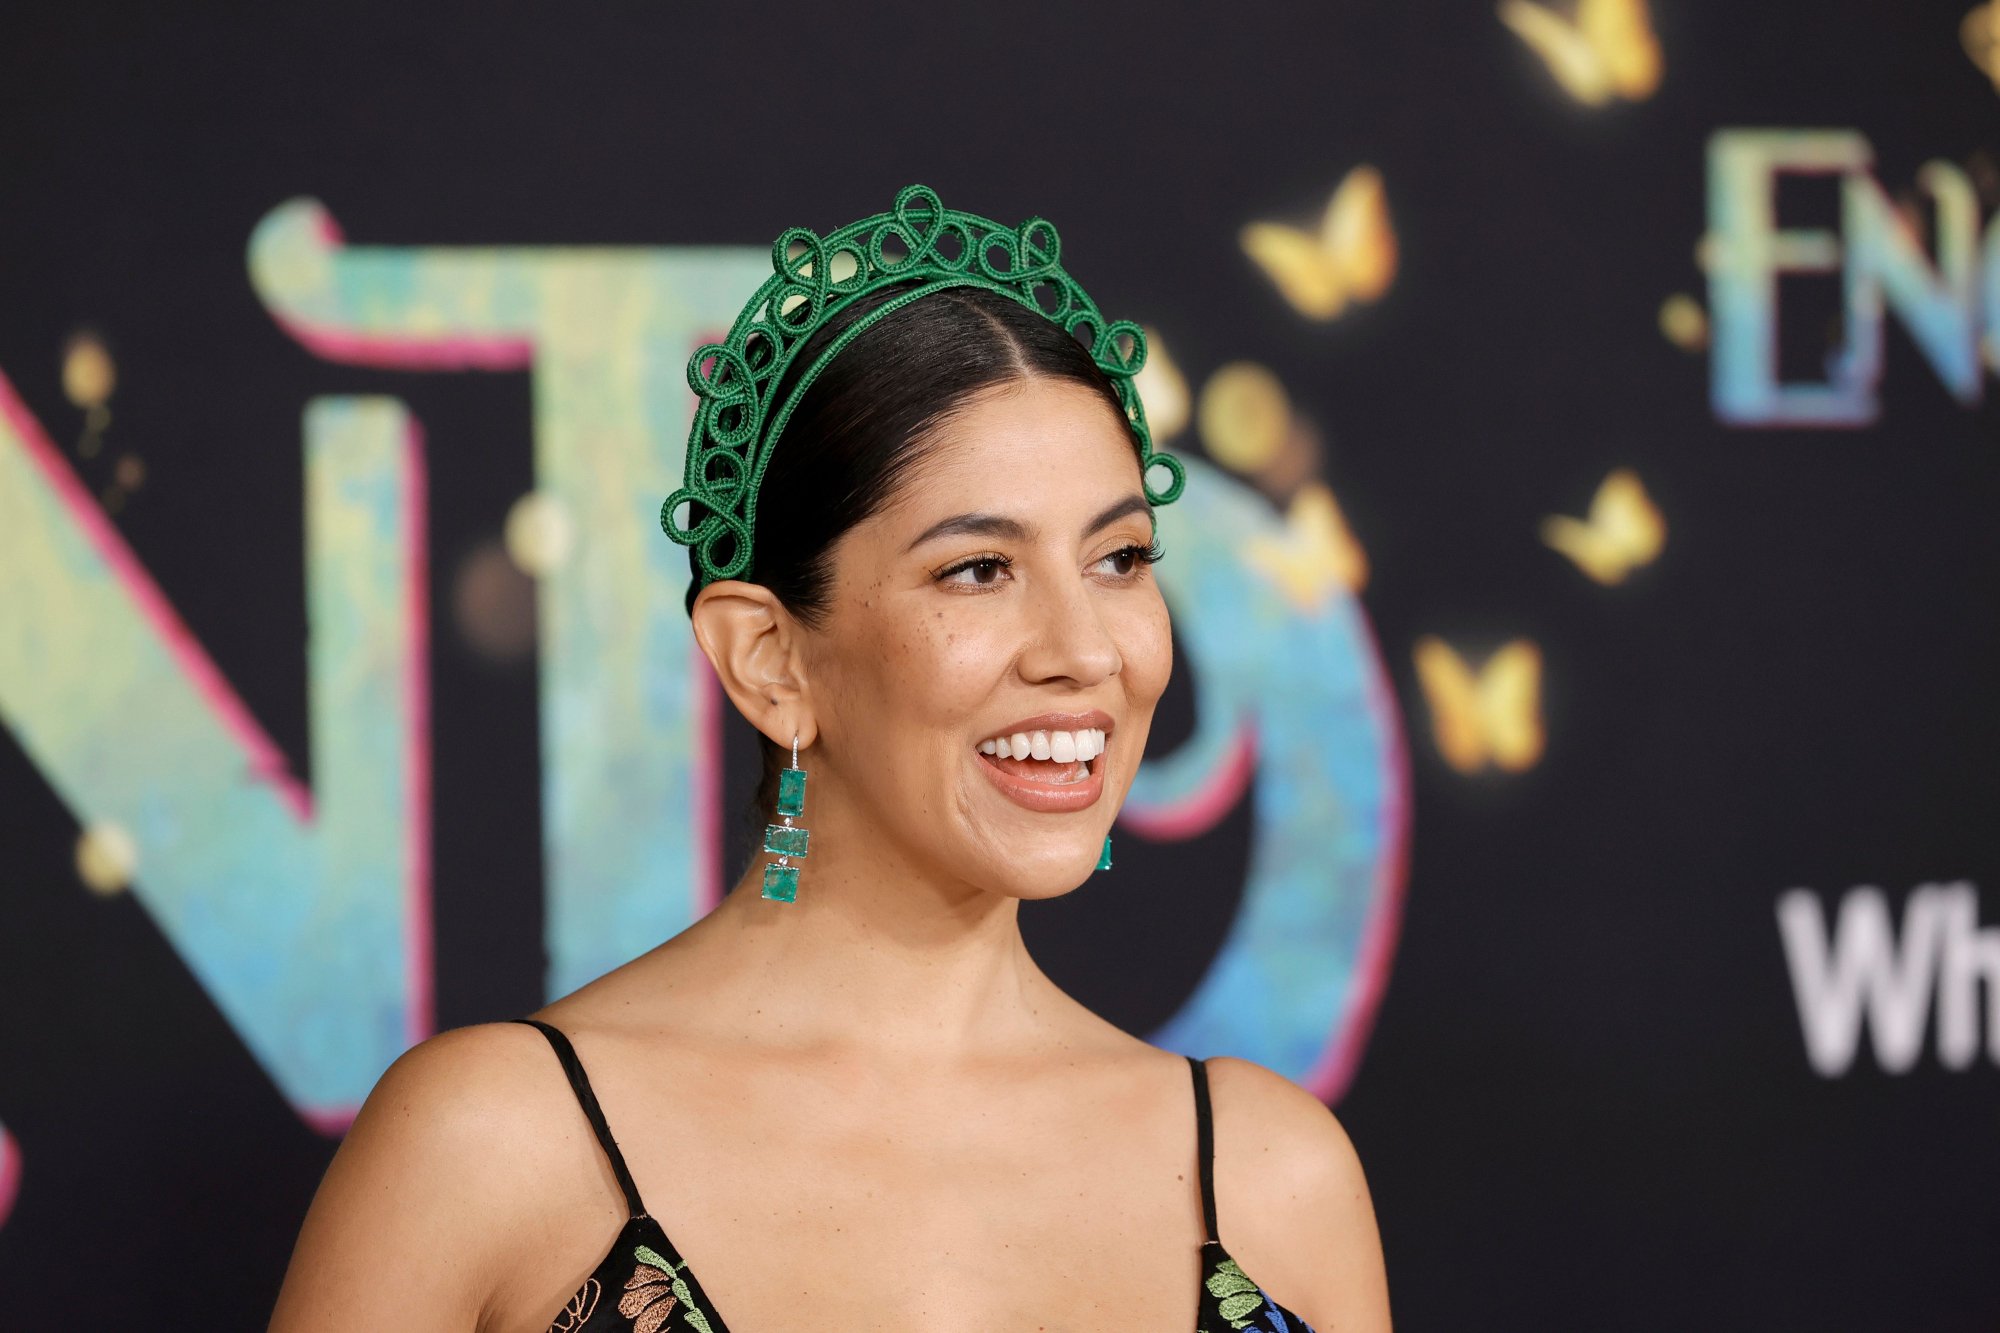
(848, 1093)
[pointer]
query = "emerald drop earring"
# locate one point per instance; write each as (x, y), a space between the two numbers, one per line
(1104, 861)
(781, 881)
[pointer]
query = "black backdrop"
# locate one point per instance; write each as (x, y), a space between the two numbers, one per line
(1586, 1101)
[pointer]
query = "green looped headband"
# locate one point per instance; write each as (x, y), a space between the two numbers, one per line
(737, 416)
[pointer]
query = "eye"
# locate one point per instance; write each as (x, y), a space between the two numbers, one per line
(975, 563)
(1136, 558)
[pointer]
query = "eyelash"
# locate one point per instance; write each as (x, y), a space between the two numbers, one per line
(1146, 556)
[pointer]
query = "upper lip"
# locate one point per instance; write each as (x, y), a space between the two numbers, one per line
(1095, 718)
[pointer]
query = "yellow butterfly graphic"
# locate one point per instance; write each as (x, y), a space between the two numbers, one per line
(1352, 257)
(1980, 32)
(1624, 530)
(1316, 556)
(1608, 50)
(1492, 717)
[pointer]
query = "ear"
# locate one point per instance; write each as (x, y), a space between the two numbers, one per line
(754, 644)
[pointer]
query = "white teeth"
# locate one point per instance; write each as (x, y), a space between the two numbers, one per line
(1064, 747)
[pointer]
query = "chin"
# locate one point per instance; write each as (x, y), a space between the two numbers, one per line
(1031, 856)
(1058, 877)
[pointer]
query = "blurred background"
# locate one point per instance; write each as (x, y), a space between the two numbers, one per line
(1579, 763)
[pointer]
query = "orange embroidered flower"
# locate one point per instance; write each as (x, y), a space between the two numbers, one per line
(648, 1299)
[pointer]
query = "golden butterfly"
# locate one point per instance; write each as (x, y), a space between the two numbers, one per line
(1607, 50)
(1624, 530)
(1491, 717)
(1316, 556)
(1350, 258)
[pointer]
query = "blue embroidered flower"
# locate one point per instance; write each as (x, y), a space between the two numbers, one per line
(1270, 1319)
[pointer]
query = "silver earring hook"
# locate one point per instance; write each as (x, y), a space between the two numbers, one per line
(795, 749)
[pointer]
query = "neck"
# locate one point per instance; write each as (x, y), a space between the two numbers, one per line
(875, 958)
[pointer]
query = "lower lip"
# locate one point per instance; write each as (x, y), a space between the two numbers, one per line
(1045, 797)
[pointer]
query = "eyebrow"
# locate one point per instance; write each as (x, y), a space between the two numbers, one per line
(1000, 525)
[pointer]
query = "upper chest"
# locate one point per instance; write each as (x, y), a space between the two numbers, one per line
(814, 1203)
(981, 1212)
(952, 1283)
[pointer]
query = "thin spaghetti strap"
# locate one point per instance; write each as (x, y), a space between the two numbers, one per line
(580, 1085)
(1204, 1134)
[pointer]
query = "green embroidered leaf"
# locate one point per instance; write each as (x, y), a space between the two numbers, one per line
(1228, 1280)
(696, 1320)
(646, 1254)
(1233, 1308)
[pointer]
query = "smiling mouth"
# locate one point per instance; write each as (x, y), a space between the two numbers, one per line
(1045, 757)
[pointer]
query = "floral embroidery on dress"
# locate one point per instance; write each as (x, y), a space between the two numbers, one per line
(648, 1299)
(581, 1306)
(1244, 1304)
(655, 1289)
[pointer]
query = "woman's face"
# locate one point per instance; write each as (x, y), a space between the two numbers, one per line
(1002, 584)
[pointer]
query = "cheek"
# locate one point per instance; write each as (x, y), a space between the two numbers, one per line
(964, 655)
(934, 669)
(1146, 646)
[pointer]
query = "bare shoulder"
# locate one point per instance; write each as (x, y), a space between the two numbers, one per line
(450, 1103)
(470, 1145)
(1292, 1200)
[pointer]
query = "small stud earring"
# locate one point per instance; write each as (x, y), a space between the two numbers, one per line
(781, 881)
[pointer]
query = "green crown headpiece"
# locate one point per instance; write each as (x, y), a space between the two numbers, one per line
(738, 416)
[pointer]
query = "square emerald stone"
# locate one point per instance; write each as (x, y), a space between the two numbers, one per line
(781, 883)
(791, 791)
(785, 839)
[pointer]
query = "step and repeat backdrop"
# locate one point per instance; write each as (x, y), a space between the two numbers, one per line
(1580, 763)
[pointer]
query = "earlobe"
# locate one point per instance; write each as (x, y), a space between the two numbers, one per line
(752, 641)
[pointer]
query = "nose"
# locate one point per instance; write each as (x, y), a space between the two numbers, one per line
(1069, 639)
